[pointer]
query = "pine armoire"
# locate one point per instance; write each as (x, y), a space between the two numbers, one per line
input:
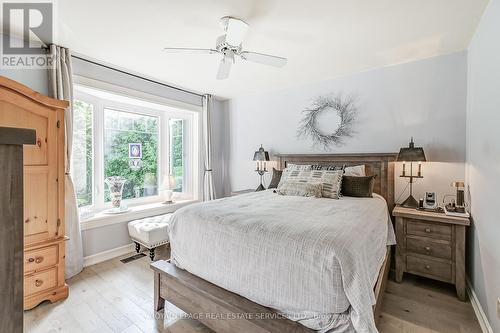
(44, 234)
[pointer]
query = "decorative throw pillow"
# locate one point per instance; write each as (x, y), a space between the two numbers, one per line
(300, 188)
(293, 169)
(331, 180)
(327, 167)
(355, 186)
(276, 178)
(358, 170)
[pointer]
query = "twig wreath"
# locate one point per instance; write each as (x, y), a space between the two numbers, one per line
(346, 110)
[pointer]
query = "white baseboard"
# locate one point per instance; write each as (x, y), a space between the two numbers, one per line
(109, 254)
(478, 310)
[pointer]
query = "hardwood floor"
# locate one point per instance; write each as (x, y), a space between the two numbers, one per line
(116, 297)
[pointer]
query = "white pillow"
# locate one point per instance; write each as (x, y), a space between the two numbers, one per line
(357, 171)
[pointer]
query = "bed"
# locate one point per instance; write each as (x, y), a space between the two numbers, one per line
(262, 262)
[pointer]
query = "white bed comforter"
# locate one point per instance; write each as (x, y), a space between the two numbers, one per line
(315, 260)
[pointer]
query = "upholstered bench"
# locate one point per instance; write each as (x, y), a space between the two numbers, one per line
(149, 232)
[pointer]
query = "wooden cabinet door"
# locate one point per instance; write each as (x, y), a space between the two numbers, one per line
(40, 170)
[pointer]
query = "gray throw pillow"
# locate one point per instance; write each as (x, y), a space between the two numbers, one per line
(361, 187)
(276, 178)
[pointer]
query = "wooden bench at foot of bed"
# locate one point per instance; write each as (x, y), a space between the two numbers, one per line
(224, 311)
(219, 309)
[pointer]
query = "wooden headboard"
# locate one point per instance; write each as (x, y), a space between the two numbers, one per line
(381, 164)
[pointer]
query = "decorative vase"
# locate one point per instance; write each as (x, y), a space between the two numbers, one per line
(115, 185)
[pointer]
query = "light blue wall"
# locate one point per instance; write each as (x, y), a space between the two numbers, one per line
(425, 99)
(483, 161)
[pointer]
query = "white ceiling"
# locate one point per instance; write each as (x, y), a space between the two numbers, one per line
(322, 39)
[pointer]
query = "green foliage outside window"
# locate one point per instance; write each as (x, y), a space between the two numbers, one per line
(82, 164)
(140, 129)
(177, 152)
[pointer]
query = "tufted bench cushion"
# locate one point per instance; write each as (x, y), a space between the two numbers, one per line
(150, 232)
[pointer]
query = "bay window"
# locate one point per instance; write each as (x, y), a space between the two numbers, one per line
(144, 142)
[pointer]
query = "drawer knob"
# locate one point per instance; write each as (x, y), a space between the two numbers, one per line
(427, 248)
(427, 229)
(38, 260)
(31, 259)
(427, 267)
(38, 283)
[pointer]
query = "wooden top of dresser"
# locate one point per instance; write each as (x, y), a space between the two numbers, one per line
(429, 216)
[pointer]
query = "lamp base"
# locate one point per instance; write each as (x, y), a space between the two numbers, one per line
(410, 202)
(260, 188)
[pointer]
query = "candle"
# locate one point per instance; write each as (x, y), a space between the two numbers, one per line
(404, 166)
(420, 169)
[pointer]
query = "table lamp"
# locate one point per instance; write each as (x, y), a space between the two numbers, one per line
(168, 186)
(261, 157)
(460, 200)
(411, 154)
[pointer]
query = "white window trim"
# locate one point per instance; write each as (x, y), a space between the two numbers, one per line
(149, 105)
(138, 212)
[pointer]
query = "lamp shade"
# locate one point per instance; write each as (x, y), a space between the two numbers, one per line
(169, 183)
(411, 153)
(458, 184)
(261, 155)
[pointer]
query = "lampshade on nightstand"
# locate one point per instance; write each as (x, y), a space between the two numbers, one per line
(411, 154)
(261, 157)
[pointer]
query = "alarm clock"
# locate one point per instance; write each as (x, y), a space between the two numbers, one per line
(430, 200)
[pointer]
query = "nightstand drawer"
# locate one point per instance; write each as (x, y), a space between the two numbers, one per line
(430, 268)
(428, 247)
(429, 229)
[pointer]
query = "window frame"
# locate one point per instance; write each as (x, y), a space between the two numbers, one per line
(164, 113)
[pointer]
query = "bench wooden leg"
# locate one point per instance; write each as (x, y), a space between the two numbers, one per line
(159, 301)
(152, 253)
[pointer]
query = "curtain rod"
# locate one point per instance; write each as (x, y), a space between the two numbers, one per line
(135, 75)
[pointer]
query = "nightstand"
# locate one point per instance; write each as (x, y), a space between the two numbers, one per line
(431, 245)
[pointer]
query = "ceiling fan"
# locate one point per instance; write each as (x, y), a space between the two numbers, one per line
(230, 46)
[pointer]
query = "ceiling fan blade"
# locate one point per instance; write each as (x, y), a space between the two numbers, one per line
(224, 68)
(188, 50)
(264, 59)
(235, 30)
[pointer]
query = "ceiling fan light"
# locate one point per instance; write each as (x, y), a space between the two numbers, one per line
(235, 30)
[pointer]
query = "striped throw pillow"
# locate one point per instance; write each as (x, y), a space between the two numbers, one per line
(303, 189)
(331, 180)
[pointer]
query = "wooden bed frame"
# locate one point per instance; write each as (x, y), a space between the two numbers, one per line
(226, 312)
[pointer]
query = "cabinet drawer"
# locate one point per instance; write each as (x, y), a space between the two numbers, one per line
(429, 268)
(428, 247)
(35, 260)
(428, 229)
(40, 281)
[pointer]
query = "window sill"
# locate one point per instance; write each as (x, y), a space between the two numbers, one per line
(137, 212)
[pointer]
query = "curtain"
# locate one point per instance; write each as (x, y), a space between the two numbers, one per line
(208, 181)
(61, 87)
